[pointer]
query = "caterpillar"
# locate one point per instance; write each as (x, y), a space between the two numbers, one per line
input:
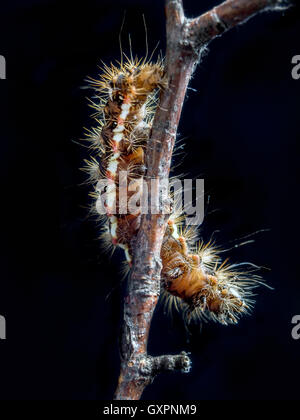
(194, 279)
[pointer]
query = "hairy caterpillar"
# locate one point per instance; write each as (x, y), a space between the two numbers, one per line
(193, 277)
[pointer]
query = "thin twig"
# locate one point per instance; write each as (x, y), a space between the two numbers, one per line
(186, 39)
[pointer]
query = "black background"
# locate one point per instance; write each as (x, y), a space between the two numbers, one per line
(240, 126)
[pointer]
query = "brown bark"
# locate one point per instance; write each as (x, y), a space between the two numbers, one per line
(186, 38)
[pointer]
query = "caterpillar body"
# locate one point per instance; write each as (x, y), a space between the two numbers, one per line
(194, 279)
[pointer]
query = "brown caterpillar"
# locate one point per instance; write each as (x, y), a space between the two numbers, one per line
(194, 278)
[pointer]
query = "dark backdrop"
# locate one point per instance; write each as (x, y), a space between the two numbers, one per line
(240, 125)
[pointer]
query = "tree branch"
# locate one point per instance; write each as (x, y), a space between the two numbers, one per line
(206, 27)
(186, 39)
(179, 362)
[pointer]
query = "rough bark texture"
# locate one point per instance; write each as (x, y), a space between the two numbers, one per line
(186, 38)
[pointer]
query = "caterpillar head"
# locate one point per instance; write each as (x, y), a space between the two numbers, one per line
(133, 78)
(222, 294)
(222, 300)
